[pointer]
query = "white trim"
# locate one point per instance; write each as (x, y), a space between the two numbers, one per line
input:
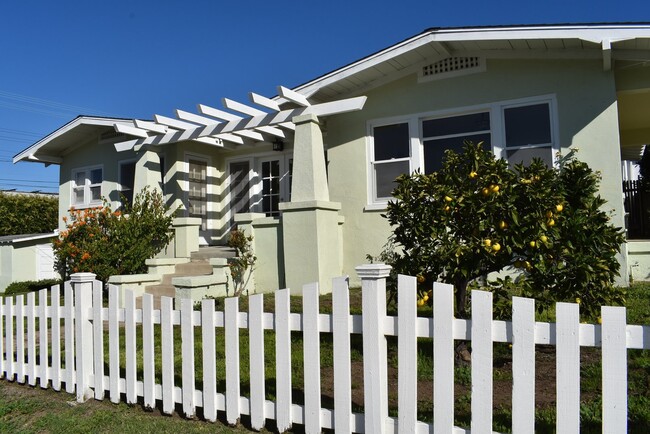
(497, 133)
(87, 203)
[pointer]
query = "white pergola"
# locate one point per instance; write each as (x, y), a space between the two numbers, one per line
(242, 122)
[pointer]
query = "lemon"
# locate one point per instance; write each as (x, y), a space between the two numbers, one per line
(421, 279)
(496, 247)
(485, 192)
(543, 238)
(549, 214)
(447, 208)
(551, 222)
(421, 302)
(425, 298)
(503, 225)
(448, 199)
(472, 174)
(533, 244)
(487, 242)
(578, 300)
(494, 188)
(559, 207)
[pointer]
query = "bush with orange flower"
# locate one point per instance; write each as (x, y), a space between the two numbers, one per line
(106, 242)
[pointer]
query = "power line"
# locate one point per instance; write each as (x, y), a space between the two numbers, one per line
(48, 103)
(29, 180)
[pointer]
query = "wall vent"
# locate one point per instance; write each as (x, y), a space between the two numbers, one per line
(110, 135)
(452, 67)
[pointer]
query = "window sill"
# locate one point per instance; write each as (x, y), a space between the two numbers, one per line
(380, 206)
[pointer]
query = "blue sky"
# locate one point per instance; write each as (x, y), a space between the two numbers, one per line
(63, 58)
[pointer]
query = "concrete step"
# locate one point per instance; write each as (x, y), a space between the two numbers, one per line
(206, 252)
(157, 291)
(193, 268)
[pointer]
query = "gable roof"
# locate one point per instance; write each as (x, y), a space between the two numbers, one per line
(625, 41)
(50, 148)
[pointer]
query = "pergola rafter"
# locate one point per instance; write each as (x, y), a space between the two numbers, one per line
(213, 126)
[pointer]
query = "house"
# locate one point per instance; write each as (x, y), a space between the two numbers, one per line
(26, 257)
(310, 171)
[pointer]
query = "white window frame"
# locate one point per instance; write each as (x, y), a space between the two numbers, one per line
(497, 133)
(87, 202)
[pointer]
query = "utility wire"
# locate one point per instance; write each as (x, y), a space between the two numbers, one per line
(48, 103)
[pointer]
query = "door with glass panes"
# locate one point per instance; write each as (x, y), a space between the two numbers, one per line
(198, 194)
(275, 179)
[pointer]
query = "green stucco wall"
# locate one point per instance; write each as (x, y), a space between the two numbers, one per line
(588, 120)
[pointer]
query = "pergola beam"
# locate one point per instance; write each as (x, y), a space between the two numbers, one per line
(212, 126)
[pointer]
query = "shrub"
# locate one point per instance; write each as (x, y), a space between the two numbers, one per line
(108, 243)
(476, 215)
(242, 265)
(27, 214)
(29, 286)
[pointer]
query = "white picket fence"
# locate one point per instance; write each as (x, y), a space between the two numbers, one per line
(86, 324)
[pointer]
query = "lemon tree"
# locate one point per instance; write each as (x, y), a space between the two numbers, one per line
(477, 215)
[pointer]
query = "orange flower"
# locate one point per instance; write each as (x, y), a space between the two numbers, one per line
(85, 256)
(117, 213)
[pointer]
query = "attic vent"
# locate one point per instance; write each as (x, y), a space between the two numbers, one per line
(452, 67)
(108, 135)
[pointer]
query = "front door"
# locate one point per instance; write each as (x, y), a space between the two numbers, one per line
(272, 172)
(198, 196)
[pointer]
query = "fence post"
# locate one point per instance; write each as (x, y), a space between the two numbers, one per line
(375, 371)
(82, 286)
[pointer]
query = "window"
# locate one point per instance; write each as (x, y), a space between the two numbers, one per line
(517, 131)
(87, 186)
(391, 151)
(528, 133)
(127, 180)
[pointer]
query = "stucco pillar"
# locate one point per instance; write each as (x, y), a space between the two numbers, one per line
(147, 172)
(312, 248)
(309, 176)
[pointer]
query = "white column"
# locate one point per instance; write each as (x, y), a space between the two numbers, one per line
(375, 365)
(147, 172)
(82, 286)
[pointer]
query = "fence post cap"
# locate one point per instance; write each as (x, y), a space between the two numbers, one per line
(373, 271)
(82, 277)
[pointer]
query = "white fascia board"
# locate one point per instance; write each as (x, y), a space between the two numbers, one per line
(34, 237)
(594, 34)
(80, 120)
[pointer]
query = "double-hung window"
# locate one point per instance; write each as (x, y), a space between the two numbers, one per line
(517, 131)
(87, 187)
(391, 156)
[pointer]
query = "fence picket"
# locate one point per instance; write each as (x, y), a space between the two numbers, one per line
(443, 358)
(98, 340)
(130, 347)
(208, 330)
(148, 344)
(68, 331)
(375, 369)
(283, 408)
(311, 358)
(187, 350)
(523, 365)
(9, 347)
(256, 357)
(167, 343)
(31, 338)
(55, 301)
(232, 359)
(341, 349)
(43, 341)
(20, 339)
(482, 361)
(568, 367)
(114, 343)
(407, 351)
(614, 369)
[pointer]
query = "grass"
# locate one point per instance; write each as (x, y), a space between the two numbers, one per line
(12, 412)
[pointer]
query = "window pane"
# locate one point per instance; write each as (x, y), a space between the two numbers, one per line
(391, 141)
(275, 168)
(79, 195)
(434, 150)
(80, 178)
(127, 175)
(266, 169)
(456, 125)
(95, 193)
(525, 156)
(529, 125)
(385, 174)
(96, 176)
